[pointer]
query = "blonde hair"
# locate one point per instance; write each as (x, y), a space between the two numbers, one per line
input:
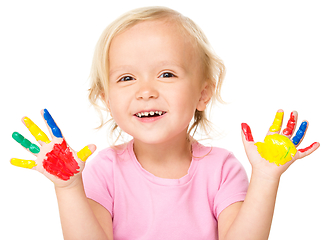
(213, 66)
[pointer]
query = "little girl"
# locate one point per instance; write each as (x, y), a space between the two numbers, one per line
(155, 73)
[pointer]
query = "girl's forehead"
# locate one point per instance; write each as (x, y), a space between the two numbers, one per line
(154, 40)
(168, 23)
(162, 28)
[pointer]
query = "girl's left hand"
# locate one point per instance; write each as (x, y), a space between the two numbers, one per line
(278, 152)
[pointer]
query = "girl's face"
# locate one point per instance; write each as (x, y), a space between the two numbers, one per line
(156, 82)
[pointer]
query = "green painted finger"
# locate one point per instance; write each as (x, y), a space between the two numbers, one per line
(26, 143)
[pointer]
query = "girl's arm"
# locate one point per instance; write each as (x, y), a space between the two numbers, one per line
(252, 219)
(63, 166)
(82, 218)
(103, 216)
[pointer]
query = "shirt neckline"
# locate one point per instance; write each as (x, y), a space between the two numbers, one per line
(195, 146)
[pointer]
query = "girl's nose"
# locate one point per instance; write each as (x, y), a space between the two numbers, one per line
(146, 91)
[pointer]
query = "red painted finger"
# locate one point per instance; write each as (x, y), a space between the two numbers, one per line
(307, 148)
(290, 126)
(247, 132)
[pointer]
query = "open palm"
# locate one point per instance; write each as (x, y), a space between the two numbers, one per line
(278, 152)
(54, 158)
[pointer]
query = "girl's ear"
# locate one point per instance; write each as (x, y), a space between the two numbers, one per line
(206, 96)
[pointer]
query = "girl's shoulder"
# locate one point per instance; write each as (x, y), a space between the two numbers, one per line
(110, 154)
(210, 152)
(215, 158)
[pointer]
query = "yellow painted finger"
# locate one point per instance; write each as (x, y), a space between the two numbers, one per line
(35, 130)
(84, 153)
(277, 122)
(23, 163)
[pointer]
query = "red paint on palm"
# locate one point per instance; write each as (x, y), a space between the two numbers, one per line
(247, 132)
(290, 126)
(60, 162)
(306, 149)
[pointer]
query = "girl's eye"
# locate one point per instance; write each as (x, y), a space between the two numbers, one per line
(126, 78)
(167, 75)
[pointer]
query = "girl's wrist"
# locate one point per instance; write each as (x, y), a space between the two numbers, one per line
(74, 184)
(263, 176)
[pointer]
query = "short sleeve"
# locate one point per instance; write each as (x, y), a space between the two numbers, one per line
(98, 179)
(233, 185)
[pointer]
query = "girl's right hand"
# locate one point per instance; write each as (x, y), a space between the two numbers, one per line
(55, 159)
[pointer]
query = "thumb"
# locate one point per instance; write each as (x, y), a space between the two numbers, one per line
(247, 133)
(84, 153)
(247, 138)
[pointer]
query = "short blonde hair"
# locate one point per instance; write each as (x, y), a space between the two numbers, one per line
(214, 69)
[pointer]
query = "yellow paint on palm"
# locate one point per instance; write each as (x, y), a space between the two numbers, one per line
(276, 149)
(35, 130)
(277, 122)
(23, 163)
(84, 153)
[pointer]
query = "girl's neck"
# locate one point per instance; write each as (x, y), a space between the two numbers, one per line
(167, 160)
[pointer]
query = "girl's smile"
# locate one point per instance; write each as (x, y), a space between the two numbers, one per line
(151, 115)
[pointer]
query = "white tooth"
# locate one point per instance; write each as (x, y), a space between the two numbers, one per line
(160, 113)
(152, 113)
(156, 112)
(146, 114)
(139, 114)
(142, 114)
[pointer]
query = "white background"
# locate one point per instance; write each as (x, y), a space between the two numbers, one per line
(276, 54)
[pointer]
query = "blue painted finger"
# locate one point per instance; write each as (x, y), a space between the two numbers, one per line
(300, 133)
(50, 121)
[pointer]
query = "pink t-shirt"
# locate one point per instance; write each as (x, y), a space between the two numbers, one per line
(147, 207)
